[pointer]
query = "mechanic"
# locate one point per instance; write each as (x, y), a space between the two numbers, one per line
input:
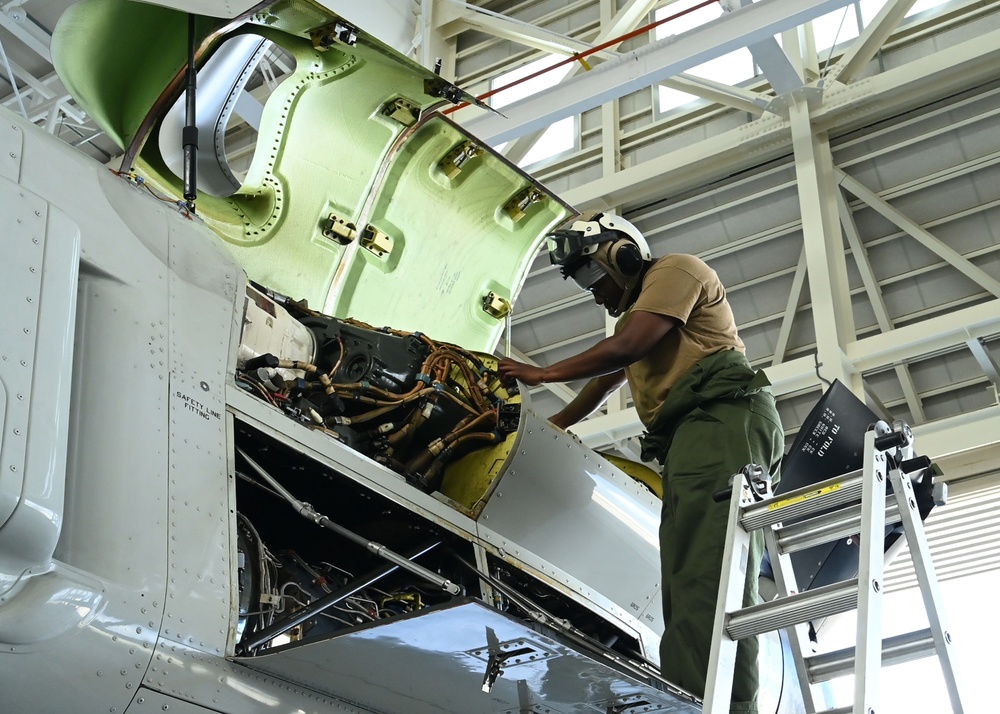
(707, 414)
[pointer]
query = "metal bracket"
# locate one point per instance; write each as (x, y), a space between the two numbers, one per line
(622, 708)
(499, 655)
(632, 704)
(370, 238)
(496, 306)
(517, 206)
(339, 230)
(325, 37)
(439, 87)
(402, 111)
(375, 241)
(497, 660)
(456, 159)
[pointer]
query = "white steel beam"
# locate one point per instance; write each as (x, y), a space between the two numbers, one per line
(946, 253)
(735, 97)
(958, 434)
(610, 138)
(782, 75)
(33, 35)
(45, 88)
(926, 337)
(603, 431)
(878, 305)
(986, 362)
(455, 17)
(624, 21)
(916, 83)
(434, 45)
(647, 66)
(826, 266)
(864, 48)
(791, 306)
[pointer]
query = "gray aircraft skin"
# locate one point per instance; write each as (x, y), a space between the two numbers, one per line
(166, 508)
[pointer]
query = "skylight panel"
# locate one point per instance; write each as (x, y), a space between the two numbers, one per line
(731, 68)
(560, 136)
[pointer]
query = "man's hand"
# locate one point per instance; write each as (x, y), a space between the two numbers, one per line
(512, 369)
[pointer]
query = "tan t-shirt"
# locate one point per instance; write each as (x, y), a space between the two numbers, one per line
(685, 288)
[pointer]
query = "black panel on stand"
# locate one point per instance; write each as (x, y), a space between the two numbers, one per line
(830, 443)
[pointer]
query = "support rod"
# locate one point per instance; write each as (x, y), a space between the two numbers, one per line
(307, 511)
(190, 133)
(324, 603)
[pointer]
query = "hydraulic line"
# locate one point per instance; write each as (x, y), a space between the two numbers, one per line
(307, 511)
(324, 603)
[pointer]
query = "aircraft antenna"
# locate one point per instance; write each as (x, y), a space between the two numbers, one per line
(190, 134)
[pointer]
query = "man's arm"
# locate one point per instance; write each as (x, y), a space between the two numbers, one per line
(591, 397)
(636, 339)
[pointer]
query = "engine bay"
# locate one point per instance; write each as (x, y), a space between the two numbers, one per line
(432, 413)
(408, 402)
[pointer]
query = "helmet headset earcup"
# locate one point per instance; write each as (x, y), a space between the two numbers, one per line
(625, 257)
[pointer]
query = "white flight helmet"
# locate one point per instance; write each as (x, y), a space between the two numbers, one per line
(601, 244)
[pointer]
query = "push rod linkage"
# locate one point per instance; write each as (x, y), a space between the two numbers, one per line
(322, 604)
(307, 511)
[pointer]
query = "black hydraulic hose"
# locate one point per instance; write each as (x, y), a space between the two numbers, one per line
(327, 601)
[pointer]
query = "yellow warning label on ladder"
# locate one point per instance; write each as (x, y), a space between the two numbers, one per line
(803, 497)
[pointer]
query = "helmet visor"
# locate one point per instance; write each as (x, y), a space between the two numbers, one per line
(587, 274)
(566, 247)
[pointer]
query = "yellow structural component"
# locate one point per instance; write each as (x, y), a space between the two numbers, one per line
(640, 472)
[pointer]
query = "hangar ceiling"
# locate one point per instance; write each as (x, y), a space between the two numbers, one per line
(848, 197)
(850, 205)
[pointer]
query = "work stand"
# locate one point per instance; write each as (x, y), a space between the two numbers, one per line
(851, 505)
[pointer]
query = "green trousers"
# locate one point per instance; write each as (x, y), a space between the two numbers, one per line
(710, 443)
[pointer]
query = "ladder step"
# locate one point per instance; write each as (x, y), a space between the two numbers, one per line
(838, 710)
(802, 502)
(829, 527)
(895, 650)
(793, 609)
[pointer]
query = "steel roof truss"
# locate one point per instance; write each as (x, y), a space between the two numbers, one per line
(878, 305)
(649, 65)
(943, 251)
(865, 47)
(826, 263)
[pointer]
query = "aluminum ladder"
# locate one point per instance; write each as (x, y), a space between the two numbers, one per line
(848, 505)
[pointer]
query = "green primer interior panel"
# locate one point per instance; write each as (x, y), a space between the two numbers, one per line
(326, 147)
(101, 50)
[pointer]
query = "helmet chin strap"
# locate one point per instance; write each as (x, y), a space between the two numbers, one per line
(628, 285)
(628, 291)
